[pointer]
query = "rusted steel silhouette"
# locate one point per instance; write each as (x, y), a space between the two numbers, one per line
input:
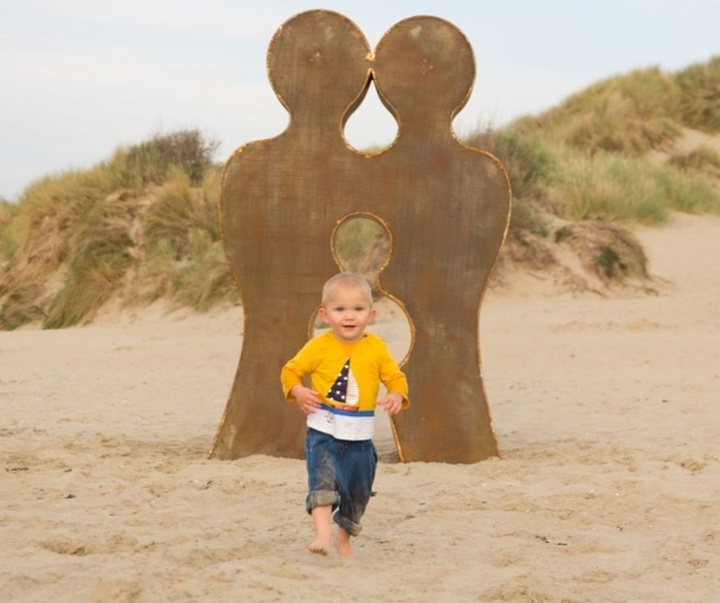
(444, 204)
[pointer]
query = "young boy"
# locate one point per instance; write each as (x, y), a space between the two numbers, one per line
(346, 366)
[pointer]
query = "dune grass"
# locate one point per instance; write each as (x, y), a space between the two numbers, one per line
(616, 187)
(185, 258)
(633, 113)
(586, 158)
(75, 240)
(13, 226)
(629, 114)
(152, 161)
(702, 160)
(47, 215)
(699, 95)
(179, 209)
(362, 245)
(99, 255)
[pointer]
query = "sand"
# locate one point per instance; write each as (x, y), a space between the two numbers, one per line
(606, 411)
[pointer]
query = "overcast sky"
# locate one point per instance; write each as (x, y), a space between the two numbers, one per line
(80, 78)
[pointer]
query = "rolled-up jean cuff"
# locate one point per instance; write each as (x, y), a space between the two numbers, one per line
(350, 527)
(320, 498)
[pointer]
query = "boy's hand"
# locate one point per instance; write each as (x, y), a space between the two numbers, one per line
(308, 400)
(392, 403)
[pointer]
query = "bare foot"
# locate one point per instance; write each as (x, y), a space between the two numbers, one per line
(323, 533)
(342, 543)
(319, 546)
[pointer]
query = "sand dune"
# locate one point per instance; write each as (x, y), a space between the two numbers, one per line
(606, 411)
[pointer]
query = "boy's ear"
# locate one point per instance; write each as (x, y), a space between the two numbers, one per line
(373, 313)
(322, 313)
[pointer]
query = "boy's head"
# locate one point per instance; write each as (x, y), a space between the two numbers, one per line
(346, 281)
(347, 306)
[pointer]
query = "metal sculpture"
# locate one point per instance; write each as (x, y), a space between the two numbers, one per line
(445, 204)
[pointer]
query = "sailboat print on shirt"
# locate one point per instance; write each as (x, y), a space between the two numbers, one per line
(345, 389)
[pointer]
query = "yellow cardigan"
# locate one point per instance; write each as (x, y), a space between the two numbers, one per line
(325, 359)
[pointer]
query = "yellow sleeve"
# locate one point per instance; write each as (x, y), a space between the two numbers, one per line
(392, 377)
(295, 370)
(289, 378)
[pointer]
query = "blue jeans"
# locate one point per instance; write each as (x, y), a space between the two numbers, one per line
(341, 474)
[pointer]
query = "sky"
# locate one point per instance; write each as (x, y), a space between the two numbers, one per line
(81, 78)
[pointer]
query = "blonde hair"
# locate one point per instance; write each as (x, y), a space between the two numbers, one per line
(348, 280)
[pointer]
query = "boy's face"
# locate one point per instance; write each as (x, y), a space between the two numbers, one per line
(348, 311)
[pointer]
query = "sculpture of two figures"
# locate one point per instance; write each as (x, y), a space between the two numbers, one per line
(445, 207)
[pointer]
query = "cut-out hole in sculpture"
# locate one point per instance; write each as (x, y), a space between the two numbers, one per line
(371, 127)
(361, 244)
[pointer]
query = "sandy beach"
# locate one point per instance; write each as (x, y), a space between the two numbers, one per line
(606, 410)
